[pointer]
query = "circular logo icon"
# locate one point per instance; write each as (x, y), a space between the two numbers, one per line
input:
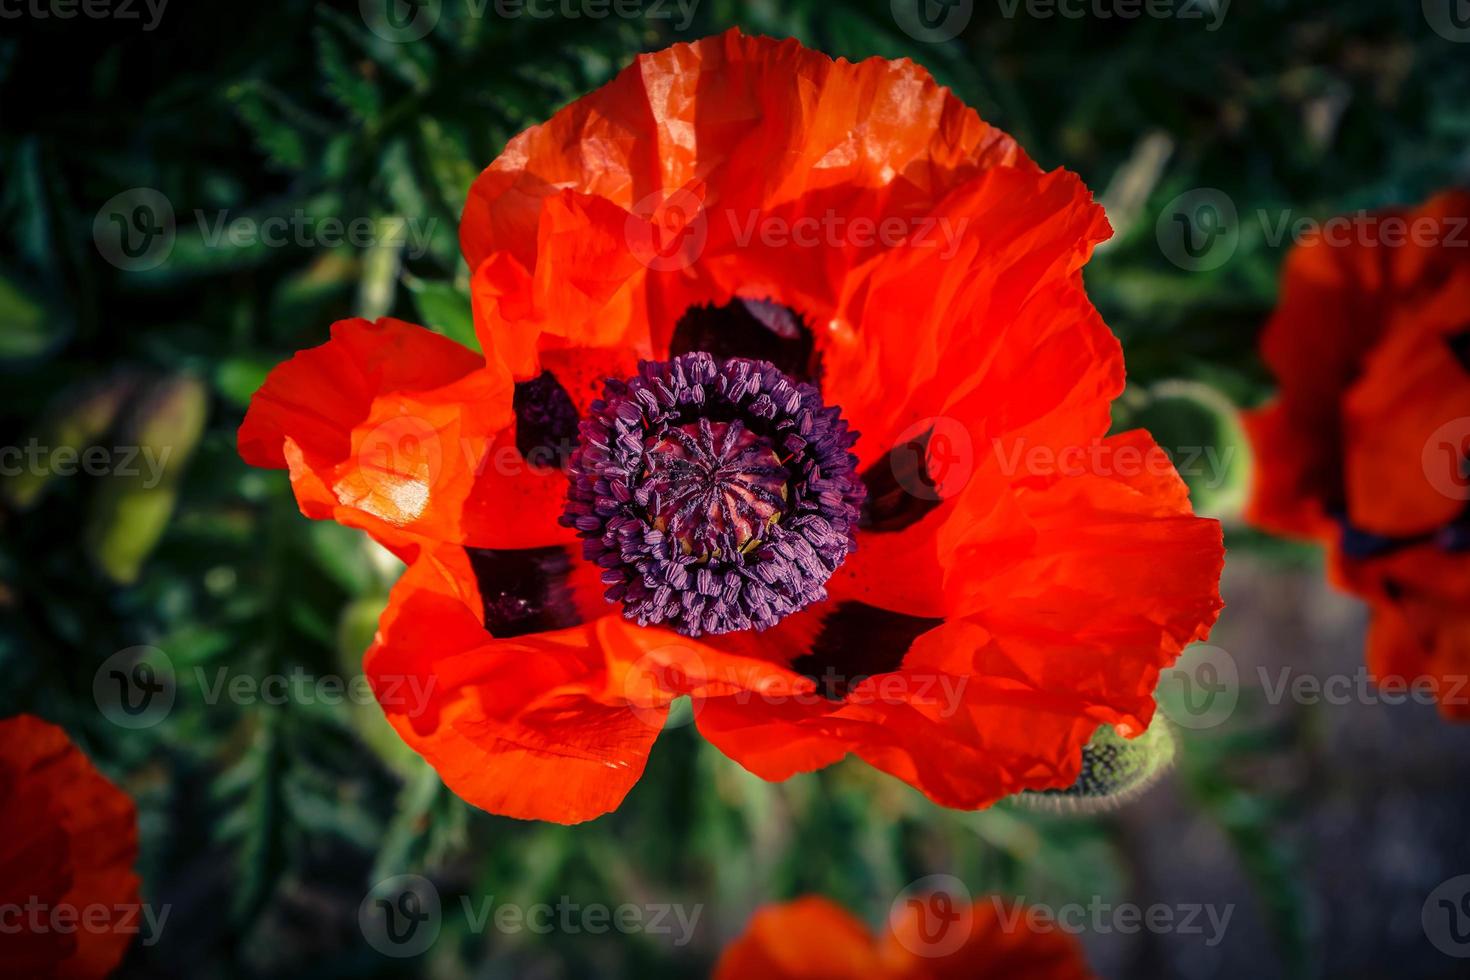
(667, 234)
(1450, 19)
(934, 458)
(135, 688)
(932, 21)
(1446, 917)
(400, 21)
(135, 230)
(666, 672)
(1199, 230)
(933, 916)
(401, 459)
(1201, 689)
(1446, 459)
(401, 916)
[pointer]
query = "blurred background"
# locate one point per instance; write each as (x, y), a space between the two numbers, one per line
(144, 294)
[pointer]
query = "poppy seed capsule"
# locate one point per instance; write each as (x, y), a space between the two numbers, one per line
(717, 495)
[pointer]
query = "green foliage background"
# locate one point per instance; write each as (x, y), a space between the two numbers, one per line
(263, 825)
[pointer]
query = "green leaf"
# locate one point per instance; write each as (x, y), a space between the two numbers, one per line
(444, 308)
(345, 82)
(238, 378)
(27, 328)
(264, 113)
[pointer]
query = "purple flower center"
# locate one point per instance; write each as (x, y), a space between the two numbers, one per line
(717, 495)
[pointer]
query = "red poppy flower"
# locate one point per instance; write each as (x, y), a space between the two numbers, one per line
(68, 894)
(1365, 447)
(813, 938)
(694, 288)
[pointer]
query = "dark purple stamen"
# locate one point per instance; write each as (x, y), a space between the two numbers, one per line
(716, 495)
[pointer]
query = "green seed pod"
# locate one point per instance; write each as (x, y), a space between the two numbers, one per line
(1114, 771)
(133, 503)
(74, 421)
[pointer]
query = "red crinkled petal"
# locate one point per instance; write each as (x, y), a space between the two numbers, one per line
(775, 119)
(810, 938)
(1001, 943)
(1048, 604)
(1420, 631)
(813, 938)
(576, 238)
(1078, 592)
(397, 430)
(1409, 386)
(1368, 427)
(1357, 344)
(70, 840)
(511, 725)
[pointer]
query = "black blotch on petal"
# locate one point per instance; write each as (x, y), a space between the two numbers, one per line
(757, 329)
(524, 590)
(1459, 344)
(546, 421)
(900, 490)
(857, 641)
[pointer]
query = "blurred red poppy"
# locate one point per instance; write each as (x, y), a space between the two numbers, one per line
(694, 287)
(70, 838)
(1365, 448)
(813, 938)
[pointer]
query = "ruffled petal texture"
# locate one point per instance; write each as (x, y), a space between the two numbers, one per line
(1020, 577)
(813, 938)
(1365, 447)
(70, 840)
